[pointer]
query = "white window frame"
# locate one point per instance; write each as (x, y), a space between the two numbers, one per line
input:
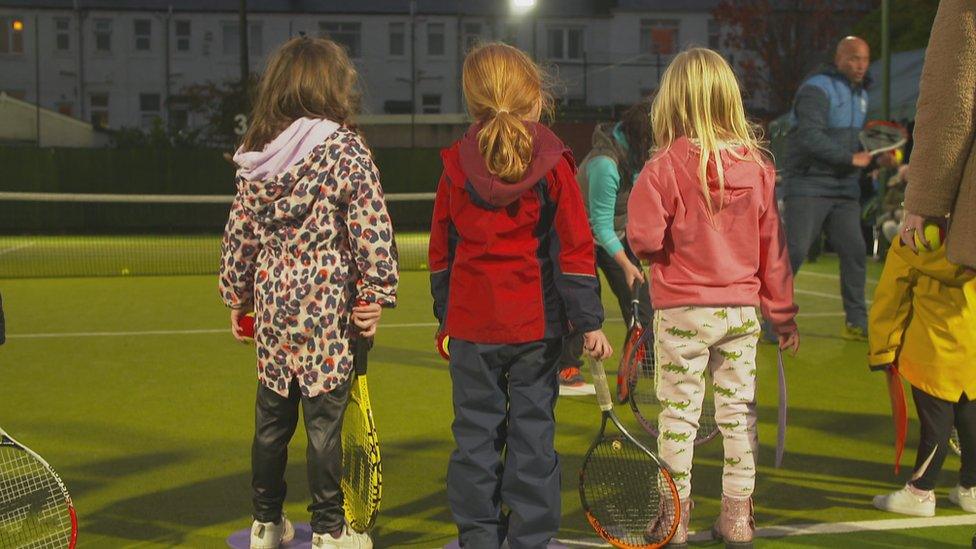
(62, 33)
(443, 34)
(646, 38)
(139, 38)
(563, 32)
(334, 29)
(12, 40)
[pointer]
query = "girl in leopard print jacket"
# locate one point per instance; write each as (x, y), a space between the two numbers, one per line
(309, 248)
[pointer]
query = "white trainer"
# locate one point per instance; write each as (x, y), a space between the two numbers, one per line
(907, 502)
(350, 539)
(268, 535)
(964, 497)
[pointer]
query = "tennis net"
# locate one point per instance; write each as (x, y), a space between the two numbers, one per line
(69, 235)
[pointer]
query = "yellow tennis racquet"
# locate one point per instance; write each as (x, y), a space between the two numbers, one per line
(362, 474)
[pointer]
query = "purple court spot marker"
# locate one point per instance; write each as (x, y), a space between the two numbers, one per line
(552, 545)
(241, 539)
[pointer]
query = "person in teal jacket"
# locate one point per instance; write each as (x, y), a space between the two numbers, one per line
(606, 176)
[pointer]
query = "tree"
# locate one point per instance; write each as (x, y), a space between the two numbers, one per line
(225, 106)
(779, 42)
(911, 23)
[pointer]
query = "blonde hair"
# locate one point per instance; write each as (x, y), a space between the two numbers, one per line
(305, 77)
(699, 98)
(503, 87)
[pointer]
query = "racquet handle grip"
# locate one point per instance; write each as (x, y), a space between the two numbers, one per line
(600, 384)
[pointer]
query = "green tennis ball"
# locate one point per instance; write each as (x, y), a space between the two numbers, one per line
(934, 234)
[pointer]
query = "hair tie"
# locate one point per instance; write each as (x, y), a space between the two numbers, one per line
(499, 111)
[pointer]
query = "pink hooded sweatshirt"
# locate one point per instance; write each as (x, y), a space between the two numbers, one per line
(736, 258)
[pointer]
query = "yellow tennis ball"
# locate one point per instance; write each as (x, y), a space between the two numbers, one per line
(934, 234)
(616, 445)
(899, 157)
(125, 272)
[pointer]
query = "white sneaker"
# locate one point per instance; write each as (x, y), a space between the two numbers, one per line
(350, 539)
(964, 497)
(268, 535)
(907, 502)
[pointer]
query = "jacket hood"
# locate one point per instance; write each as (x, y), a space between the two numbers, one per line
(271, 191)
(547, 150)
(934, 264)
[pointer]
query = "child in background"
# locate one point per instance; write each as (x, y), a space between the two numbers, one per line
(924, 321)
(308, 237)
(512, 268)
(703, 212)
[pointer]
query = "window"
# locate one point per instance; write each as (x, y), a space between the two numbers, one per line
(179, 113)
(431, 104)
(659, 36)
(143, 34)
(398, 38)
(62, 34)
(183, 35)
(103, 35)
(345, 34)
(232, 39)
(148, 109)
(565, 44)
(11, 35)
(511, 33)
(714, 34)
(472, 35)
(435, 38)
(98, 103)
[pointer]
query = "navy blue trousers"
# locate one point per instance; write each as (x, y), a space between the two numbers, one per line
(504, 427)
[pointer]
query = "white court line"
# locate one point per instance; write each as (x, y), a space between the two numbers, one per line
(15, 248)
(816, 528)
(223, 330)
(830, 276)
(824, 295)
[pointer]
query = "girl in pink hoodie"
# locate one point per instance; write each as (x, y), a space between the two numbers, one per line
(309, 248)
(704, 214)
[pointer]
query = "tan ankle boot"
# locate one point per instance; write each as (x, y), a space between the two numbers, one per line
(659, 531)
(736, 525)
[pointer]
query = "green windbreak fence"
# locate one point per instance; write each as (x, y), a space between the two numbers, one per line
(118, 212)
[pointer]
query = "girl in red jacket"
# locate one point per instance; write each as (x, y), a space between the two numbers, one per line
(512, 268)
(704, 213)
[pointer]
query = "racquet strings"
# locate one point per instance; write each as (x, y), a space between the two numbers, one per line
(34, 508)
(628, 495)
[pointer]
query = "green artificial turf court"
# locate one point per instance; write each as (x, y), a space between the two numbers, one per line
(150, 427)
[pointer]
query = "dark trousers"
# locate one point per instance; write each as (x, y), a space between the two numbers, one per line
(275, 419)
(573, 343)
(937, 418)
(806, 218)
(504, 427)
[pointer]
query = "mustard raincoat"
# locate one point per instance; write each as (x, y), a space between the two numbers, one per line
(924, 318)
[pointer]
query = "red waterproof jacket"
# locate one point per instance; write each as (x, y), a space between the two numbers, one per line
(512, 262)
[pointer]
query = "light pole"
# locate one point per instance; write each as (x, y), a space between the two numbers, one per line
(523, 7)
(885, 59)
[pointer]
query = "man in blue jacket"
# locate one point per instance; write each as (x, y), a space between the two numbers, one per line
(821, 168)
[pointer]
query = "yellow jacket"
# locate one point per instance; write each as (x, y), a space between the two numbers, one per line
(924, 318)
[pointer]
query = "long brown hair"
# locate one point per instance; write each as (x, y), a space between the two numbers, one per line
(305, 77)
(503, 87)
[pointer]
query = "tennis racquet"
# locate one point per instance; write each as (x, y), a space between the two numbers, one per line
(644, 402)
(628, 495)
(880, 136)
(35, 509)
(954, 442)
(637, 356)
(781, 411)
(362, 473)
